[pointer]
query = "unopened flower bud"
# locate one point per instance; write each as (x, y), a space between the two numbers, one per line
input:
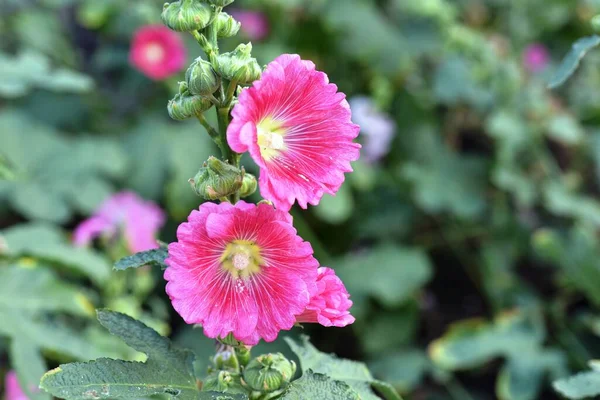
(248, 185)
(217, 179)
(185, 105)
(201, 78)
(220, 3)
(226, 25)
(186, 15)
(269, 372)
(225, 382)
(224, 360)
(239, 66)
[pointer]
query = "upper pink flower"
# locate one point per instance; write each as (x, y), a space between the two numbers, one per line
(536, 57)
(330, 303)
(140, 221)
(157, 52)
(240, 269)
(255, 24)
(12, 388)
(298, 129)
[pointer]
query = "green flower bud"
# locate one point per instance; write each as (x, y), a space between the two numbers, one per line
(217, 179)
(186, 15)
(269, 372)
(201, 78)
(226, 25)
(225, 382)
(239, 66)
(220, 3)
(185, 105)
(248, 185)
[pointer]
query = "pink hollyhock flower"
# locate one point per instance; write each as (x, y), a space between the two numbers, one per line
(157, 52)
(12, 388)
(377, 129)
(536, 57)
(330, 303)
(240, 269)
(297, 128)
(255, 24)
(140, 221)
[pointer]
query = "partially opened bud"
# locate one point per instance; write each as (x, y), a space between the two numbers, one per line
(217, 179)
(201, 78)
(269, 372)
(249, 185)
(226, 25)
(239, 65)
(185, 105)
(186, 15)
(225, 382)
(220, 3)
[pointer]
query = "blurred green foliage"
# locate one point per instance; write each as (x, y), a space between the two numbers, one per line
(485, 207)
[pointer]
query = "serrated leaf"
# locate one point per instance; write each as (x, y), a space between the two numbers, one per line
(168, 369)
(580, 386)
(155, 257)
(354, 373)
(572, 59)
(313, 386)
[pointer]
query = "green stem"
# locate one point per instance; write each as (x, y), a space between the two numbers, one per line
(230, 92)
(211, 131)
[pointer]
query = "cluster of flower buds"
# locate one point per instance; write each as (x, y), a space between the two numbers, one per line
(217, 179)
(207, 22)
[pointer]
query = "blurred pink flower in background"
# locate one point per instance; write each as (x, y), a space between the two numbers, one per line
(377, 130)
(157, 52)
(138, 220)
(536, 57)
(12, 389)
(330, 303)
(255, 24)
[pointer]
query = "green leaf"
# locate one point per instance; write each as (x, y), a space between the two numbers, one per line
(580, 386)
(49, 243)
(155, 257)
(221, 396)
(572, 60)
(336, 209)
(168, 370)
(403, 369)
(353, 373)
(313, 386)
(30, 366)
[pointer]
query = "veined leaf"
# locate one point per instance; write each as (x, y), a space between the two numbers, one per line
(168, 370)
(571, 61)
(155, 257)
(313, 386)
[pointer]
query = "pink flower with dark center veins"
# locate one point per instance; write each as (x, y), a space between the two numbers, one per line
(138, 219)
(12, 388)
(297, 128)
(255, 24)
(536, 57)
(157, 52)
(330, 303)
(240, 269)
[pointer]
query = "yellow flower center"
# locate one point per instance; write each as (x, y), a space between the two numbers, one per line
(270, 134)
(154, 52)
(242, 258)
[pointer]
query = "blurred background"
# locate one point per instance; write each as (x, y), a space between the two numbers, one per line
(467, 235)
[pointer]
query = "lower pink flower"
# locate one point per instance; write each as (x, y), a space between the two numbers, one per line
(330, 303)
(157, 52)
(255, 24)
(240, 269)
(12, 388)
(139, 221)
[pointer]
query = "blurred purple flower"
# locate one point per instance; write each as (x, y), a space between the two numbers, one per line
(138, 219)
(536, 57)
(376, 129)
(255, 24)
(12, 389)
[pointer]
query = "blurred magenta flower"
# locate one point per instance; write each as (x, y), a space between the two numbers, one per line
(12, 388)
(377, 129)
(298, 129)
(124, 213)
(240, 269)
(330, 303)
(536, 57)
(255, 24)
(157, 52)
